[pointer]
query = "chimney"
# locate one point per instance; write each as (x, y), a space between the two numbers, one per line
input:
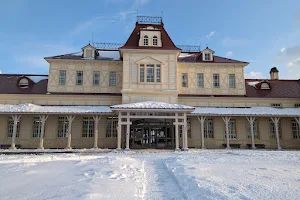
(274, 73)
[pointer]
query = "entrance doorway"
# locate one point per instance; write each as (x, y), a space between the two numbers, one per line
(152, 133)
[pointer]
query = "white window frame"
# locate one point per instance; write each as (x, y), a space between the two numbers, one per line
(272, 129)
(232, 130)
(207, 58)
(295, 130)
(146, 40)
(62, 128)
(184, 80)
(10, 127)
(216, 80)
(155, 41)
(153, 78)
(111, 127)
(200, 80)
(88, 127)
(62, 77)
(96, 78)
(231, 79)
(79, 77)
(209, 128)
(255, 129)
(112, 79)
(37, 127)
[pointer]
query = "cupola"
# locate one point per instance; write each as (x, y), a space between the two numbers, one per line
(274, 73)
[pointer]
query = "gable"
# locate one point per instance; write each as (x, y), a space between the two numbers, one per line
(149, 60)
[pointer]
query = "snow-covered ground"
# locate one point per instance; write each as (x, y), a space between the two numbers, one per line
(197, 174)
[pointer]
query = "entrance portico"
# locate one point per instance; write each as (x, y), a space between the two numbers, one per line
(151, 124)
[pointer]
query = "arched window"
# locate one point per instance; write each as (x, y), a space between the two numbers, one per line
(154, 40)
(145, 40)
(23, 83)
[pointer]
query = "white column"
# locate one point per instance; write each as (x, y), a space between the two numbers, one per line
(127, 131)
(70, 119)
(185, 132)
(119, 129)
(96, 123)
(43, 119)
(176, 133)
(276, 121)
(226, 121)
(202, 120)
(16, 118)
(251, 122)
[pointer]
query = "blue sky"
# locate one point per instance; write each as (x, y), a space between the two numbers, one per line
(265, 33)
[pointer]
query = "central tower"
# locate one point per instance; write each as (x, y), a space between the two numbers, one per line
(149, 63)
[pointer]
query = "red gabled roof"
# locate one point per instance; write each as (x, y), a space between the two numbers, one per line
(195, 57)
(278, 89)
(133, 40)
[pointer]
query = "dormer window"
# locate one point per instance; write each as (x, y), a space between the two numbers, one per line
(146, 40)
(155, 41)
(264, 86)
(207, 56)
(23, 83)
(89, 53)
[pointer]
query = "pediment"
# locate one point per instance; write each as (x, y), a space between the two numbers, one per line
(149, 60)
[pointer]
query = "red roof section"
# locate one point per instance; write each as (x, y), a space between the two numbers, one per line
(195, 57)
(278, 89)
(9, 84)
(133, 40)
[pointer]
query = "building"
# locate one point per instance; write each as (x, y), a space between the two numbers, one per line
(147, 93)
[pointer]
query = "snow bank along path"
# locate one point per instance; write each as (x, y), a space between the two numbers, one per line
(199, 174)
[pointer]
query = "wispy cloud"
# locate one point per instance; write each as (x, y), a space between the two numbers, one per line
(208, 36)
(229, 42)
(229, 54)
(255, 75)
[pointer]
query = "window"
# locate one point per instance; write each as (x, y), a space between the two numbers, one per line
(10, 127)
(111, 127)
(37, 127)
(89, 53)
(180, 128)
(216, 80)
(158, 73)
(23, 83)
(276, 105)
(184, 80)
(112, 78)
(264, 86)
(232, 129)
(208, 128)
(62, 77)
(255, 129)
(207, 56)
(96, 78)
(63, 124)
(272, 129)
(155, 41)
(142, 73)
(145, 40)
(88, 127)
(295, 129)
(297, 105)
(200, 80)
(150, 73)
(231, 81)
(79, 77)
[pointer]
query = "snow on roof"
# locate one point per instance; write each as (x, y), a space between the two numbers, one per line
(115, 55)
(32, 108)
(151, 105)
(253, 84)
(261, 111)
(37, 79)
(182, 55)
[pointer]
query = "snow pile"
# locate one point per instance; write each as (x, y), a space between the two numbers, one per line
(262, 111)
(152, 105)
(183, 55)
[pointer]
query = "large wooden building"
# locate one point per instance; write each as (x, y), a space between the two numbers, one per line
(148, 93)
